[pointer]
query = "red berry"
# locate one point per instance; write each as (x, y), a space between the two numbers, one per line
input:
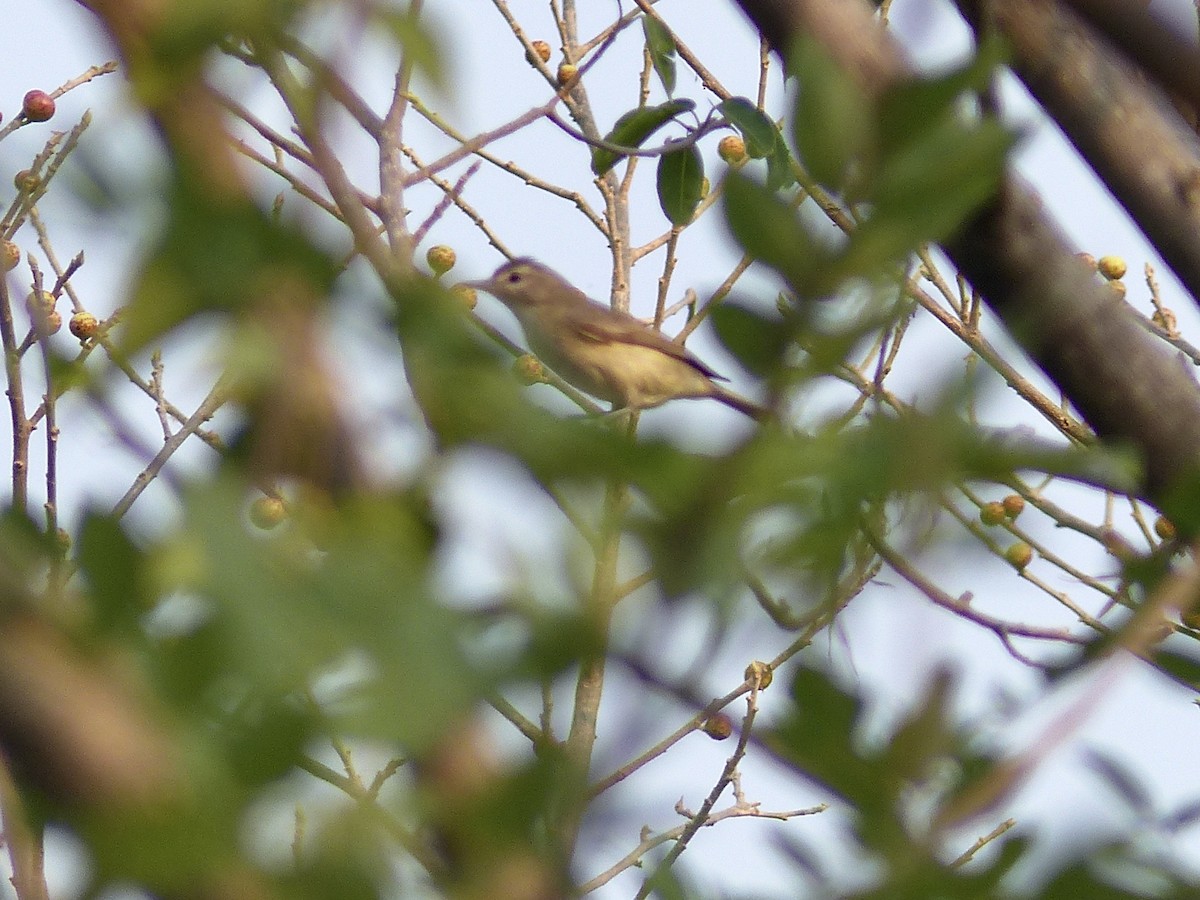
(38, 106)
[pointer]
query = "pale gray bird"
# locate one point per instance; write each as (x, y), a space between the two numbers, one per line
(608, 354)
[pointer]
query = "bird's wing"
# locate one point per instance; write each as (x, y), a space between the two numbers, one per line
(613, 325)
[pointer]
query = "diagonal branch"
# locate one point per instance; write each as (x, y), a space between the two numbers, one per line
(1119, 377)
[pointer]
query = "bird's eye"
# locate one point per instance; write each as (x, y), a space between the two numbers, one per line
(513, 277)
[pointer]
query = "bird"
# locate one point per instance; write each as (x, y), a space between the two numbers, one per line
(602, 351)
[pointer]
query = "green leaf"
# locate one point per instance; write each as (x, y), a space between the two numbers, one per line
(929, 188)
(770, 231)
(833, 123)
(912, 106)
(680, 183)
(633, 128)
(757, 341)
(757, 129)
(661, 47)
(779, 168)
(115, 571)
(416, 41)
(217, 253)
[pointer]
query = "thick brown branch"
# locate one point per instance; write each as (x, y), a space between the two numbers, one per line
(1117, 120)
(1127, 387)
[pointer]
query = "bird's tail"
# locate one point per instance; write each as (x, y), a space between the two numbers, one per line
(743, 405)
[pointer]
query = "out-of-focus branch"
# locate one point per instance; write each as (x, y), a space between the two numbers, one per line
(1127, 387)
(72, 727)
(1125, 129)
(1167, 57)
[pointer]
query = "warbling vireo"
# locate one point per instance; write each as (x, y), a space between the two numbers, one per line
(608, 354)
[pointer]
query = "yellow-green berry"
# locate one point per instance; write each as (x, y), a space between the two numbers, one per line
(11, 256)
(441, 259)
(718, 726)
(50, 323)
(1118, 288)
(267, 512)
(567, 73)
(83, 325)
(1014, 505)
(1111, 267)
(466, 295)
(542, 49)
(1019, 554)
(1164, 528)
(760, 673)
(529, 369)
(992, 513)
(732, 149)
(26, 181)
(43, 304)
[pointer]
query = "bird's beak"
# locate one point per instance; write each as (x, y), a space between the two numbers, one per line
(485, 286)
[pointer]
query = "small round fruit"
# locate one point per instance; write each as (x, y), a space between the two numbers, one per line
(38, 106)
(567, 73)
(718, 726)
(26, 181)
(992, 513)
(529, 369)
(1118, 288)
(732, 149)
(83, 325)
(542, 49)
(1164, 528)
(1019, 554)
(1087, 259)
(267, 512)
(1112, 267)
(43, 304)
(441, 259)
(49, 323)
(11, 255)
(759, 672)
(466, 295)
(1014, 505)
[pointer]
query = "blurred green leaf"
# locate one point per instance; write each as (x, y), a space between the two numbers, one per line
(634, 127)
(780, 174)
(187, 29)
(116, 573)
(756, 127)
(266, 739)
(926, 190)
(661, 47)
(217, 254)
(417, 42)
(756, 340)
(833, 123)
(769, 229)
(911, 107)
(680, 183)
(818, 733)
(291, 616)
